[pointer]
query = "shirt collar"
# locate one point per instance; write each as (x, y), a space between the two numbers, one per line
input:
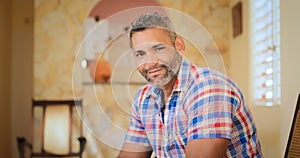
(182, 77)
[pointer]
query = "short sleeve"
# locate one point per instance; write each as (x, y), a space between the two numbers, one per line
(210, 106)
(136, 131)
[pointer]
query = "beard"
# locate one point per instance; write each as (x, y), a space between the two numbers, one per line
(170, 71)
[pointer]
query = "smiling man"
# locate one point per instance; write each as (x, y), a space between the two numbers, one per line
(185, 110)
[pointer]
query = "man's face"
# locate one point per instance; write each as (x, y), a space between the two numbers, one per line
(155, 56)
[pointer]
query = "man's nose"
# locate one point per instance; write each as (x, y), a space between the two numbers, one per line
(149, 65)
(151, 60)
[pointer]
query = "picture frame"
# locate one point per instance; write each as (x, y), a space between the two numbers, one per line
(237, 21)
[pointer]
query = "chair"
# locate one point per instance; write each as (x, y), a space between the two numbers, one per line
(54, 125)
(293, 146)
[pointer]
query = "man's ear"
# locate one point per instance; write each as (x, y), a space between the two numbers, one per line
(179, 45)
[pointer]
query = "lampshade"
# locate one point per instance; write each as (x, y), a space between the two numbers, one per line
(57, 130)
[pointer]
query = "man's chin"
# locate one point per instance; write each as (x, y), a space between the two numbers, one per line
(158, 82)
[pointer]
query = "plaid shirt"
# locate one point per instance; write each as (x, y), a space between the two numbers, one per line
(203, 104)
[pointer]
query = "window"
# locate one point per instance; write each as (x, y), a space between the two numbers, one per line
(265, 52)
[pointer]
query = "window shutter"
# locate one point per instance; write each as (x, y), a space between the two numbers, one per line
(265, 52)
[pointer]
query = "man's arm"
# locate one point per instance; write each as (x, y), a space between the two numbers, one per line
(207, 148)
(130, 150)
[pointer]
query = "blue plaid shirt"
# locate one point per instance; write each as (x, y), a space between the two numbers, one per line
(203, 104)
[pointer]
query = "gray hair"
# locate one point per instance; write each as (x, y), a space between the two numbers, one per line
(153, 20)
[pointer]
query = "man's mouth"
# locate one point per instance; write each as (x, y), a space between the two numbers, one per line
(154, 72)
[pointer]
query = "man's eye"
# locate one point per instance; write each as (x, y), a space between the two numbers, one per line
(159, 49)
(139, 53)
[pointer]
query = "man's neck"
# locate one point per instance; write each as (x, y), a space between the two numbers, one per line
(168, 88)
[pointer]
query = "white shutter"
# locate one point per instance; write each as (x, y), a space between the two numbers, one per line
(265, 52)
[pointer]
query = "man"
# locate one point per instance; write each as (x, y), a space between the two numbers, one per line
(185, 110)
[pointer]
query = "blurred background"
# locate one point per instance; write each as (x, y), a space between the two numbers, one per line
(41, 41)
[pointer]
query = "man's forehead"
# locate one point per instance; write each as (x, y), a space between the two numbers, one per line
(147, 45)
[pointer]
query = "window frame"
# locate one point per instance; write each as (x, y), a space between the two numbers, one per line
(274, 48)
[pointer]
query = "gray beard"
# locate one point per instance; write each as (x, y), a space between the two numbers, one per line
(170, 73)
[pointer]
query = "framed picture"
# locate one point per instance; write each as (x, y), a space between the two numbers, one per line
(237, 21)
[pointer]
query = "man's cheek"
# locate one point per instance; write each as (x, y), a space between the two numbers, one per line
(141, 68)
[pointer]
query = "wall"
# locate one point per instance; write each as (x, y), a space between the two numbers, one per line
(213, 16)
(290, 56)
(58, 31)
(5, 56)
(273, 123)
(21, 70)
(58, 34)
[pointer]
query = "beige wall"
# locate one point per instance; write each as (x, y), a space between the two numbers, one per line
(273, 123)
(5, 56)
(21, 70)
(290, 76)
(59, 31)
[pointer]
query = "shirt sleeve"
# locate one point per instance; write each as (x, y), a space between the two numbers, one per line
(210, 109)
(136, 131)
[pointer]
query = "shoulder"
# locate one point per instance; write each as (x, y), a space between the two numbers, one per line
(207, 85)
(203, 76)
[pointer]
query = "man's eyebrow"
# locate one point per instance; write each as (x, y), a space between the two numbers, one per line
(157, 45)
(154, 46)
(138, 51)
(134, 51)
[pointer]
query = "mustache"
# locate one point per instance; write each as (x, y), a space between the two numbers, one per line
(157, 66)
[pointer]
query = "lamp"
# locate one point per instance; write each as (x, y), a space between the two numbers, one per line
(54, 128)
